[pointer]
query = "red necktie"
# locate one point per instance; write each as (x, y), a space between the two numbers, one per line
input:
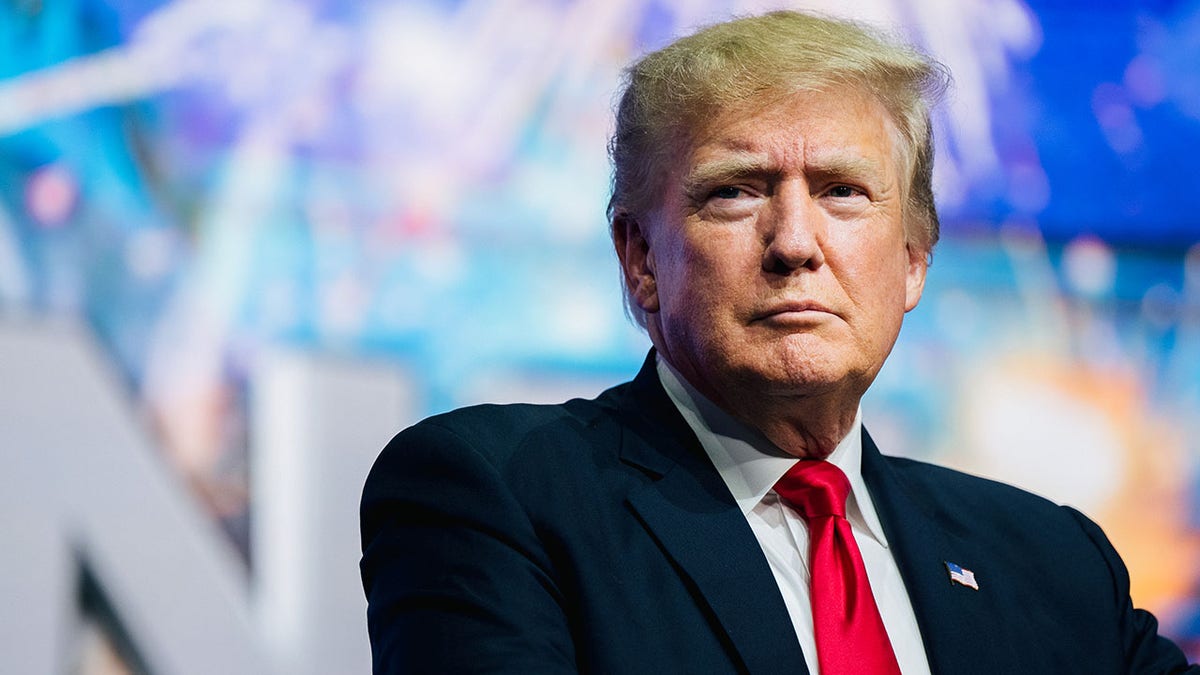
(850, 635)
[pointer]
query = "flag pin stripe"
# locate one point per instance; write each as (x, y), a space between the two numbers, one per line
(961, 576)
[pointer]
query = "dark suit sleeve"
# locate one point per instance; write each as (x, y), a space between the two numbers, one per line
(1146, 652)
(456, 578)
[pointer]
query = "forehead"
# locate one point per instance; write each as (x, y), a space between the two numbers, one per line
(842, 129)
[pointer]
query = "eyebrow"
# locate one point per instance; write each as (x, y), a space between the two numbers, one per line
(846, 165)
(727, 168)
(757, 165)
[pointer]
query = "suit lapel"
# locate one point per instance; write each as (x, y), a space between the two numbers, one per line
(960, 626)
(690, 512)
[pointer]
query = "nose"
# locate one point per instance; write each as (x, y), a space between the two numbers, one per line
(792, 232)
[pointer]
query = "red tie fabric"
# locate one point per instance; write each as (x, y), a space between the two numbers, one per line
(850, 635)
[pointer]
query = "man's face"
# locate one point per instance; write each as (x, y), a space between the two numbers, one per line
(776, 262)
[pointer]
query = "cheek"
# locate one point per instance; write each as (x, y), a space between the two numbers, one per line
(711, 268)
(875, 275)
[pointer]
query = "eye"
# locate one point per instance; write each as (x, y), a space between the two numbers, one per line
(727, 192)
(842, 191)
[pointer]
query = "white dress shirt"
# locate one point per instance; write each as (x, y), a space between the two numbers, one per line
(750, 465)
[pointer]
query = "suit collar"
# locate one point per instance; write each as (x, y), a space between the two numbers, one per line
(691, 514)
(655, 436)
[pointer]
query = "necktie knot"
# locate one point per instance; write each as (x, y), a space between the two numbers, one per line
(815, 488)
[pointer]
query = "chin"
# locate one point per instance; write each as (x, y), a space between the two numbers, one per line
(802, 368)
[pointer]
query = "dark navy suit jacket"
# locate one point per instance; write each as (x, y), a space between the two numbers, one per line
(596, 536)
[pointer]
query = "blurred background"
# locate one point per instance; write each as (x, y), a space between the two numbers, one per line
(242, 243)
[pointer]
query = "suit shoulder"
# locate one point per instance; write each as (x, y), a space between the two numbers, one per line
(490, 425)
(496, 432)
(524, 456)
(955, 486)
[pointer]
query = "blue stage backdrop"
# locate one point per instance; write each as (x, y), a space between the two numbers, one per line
(425, 182)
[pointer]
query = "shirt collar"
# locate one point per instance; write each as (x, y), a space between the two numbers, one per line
(750, 464)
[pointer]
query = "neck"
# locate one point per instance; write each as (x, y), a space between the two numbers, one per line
(807, 425)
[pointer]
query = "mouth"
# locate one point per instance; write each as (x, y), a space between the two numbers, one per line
(794, 310)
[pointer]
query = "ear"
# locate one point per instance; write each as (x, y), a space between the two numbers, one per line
(914, 286)
(637, 261)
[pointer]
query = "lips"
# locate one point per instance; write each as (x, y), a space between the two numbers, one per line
(792, 307)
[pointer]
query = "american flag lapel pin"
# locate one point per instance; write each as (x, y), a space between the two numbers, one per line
(961, 576)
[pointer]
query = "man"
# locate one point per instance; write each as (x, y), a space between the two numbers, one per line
(725, 511)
